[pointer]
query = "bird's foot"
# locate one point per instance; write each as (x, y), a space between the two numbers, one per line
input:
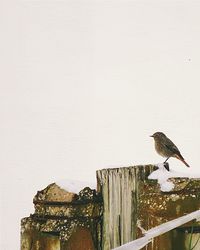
(166, 165)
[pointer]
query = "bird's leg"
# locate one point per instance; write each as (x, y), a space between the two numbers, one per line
(166, 160)
(166, 164)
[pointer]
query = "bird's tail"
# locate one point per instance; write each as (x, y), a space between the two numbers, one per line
(180, 157)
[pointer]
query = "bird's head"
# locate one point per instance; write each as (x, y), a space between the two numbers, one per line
(158, 135)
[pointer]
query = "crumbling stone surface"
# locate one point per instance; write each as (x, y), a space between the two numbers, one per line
(62, 214)
(54, 193)
(183, 199)
(156, 207)
(87, 194)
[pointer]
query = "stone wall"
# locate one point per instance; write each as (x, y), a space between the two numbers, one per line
(63, 221)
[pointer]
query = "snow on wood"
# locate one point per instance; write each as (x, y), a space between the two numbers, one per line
(156, 231)
(74, 186)
(162, 175)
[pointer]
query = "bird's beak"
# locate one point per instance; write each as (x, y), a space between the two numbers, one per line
(151, 136)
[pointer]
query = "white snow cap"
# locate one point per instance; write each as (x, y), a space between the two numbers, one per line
(74, 186)
(162, 175)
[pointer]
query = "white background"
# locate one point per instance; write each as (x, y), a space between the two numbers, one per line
(83, 85)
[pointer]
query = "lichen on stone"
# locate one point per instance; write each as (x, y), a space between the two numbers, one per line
(61, 213)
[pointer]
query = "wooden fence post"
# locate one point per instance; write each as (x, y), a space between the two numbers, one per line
(120, 189)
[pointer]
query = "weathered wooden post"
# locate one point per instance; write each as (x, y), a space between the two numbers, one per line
(63, 221)
(120, 189)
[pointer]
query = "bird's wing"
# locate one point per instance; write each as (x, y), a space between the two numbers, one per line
(173, 148)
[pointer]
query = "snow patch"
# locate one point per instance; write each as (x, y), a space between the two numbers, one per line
(162, 175)
(74, 186)
(166, 186)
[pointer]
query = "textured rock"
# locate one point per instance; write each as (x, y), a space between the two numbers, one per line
(165, 206)
(54, 193)
(61, 218)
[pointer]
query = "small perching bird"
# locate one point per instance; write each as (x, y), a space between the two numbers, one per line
(166, 148)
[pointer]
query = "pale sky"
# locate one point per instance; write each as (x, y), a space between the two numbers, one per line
(84, 84)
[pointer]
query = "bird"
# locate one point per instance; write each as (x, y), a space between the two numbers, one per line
(166, 148)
